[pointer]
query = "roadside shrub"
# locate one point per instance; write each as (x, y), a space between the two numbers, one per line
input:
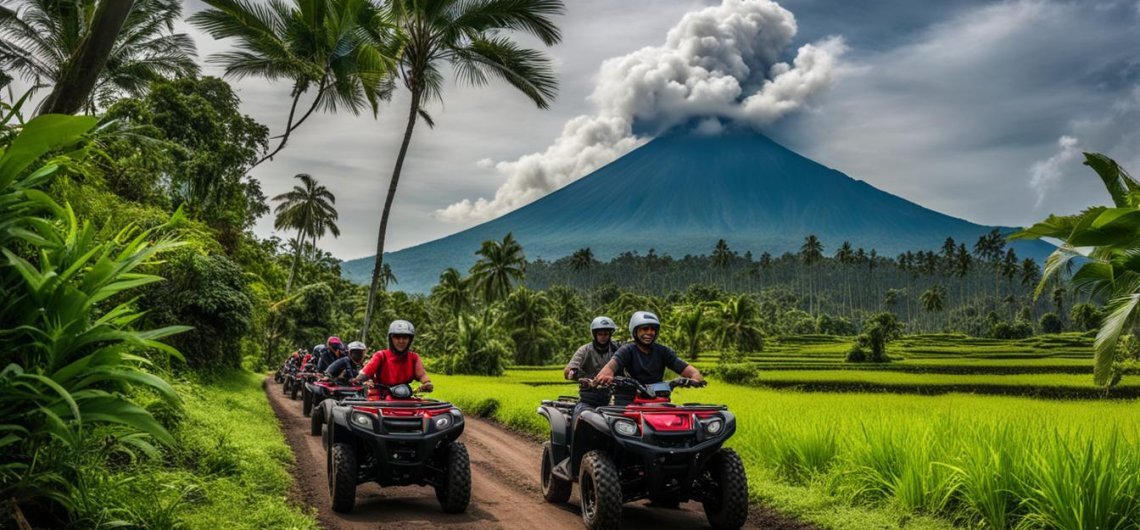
(857, 354)
(1051, 323)
(210, 294)
(736, 373)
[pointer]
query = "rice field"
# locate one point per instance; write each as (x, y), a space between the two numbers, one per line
(956, 459)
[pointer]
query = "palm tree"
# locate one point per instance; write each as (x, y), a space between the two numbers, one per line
(527, 316)
(344, 50)
(582, 259)
(722, 256)
(452, 291)
(468, 35)
(104, 49)
(692, 324)
(310, 209)
(933, 298)
(387, 277)
(739, 324)
(500, 264)
(811, 252)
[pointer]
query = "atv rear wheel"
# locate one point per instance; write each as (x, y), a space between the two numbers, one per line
(317, 420)
(554, 489)
(306, 401)
(455, 492)
(601, 492)
(342, 477)
(729, 505)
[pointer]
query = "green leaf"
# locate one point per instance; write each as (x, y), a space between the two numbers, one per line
(38, 137)
(1121, 318)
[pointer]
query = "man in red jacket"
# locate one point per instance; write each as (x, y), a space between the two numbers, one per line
(397, 365)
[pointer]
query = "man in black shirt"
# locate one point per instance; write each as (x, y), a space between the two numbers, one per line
(643, 359)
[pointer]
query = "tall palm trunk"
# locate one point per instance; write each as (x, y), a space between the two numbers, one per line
(296, 259)
(73, 89)
(376, 268)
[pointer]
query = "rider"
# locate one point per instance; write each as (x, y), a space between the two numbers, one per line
(644, 359)
(334, 350)
(344, 369)
(397, 365)
(590, 358)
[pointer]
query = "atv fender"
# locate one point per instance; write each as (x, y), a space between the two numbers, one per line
(591, 433)
(558, 426)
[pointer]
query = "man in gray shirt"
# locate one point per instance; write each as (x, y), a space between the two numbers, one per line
(590, 358)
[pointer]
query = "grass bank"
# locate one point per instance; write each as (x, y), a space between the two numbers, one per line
(228, 469)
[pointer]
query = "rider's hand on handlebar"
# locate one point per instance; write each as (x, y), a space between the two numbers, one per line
(686, 382)
(570, 373)
(426, 387)
(603, 379)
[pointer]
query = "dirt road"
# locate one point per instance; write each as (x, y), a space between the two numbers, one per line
(505, 491)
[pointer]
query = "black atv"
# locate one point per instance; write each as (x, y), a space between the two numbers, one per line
(650, 449)
(396, 439)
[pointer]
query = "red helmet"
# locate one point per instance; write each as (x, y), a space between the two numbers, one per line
(335, 343)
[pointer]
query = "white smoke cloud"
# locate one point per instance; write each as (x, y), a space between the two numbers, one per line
(719, 64)
(1045, 174)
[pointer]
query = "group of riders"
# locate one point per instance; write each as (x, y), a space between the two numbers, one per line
(594, 364)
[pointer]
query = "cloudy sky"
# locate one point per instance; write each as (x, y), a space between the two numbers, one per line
(978, 110)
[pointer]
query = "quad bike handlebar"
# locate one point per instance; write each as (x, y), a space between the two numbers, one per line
(621, 382)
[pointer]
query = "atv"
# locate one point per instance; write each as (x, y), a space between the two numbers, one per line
(322, 388)
(651, 449)
(394, 438)
(298, 379)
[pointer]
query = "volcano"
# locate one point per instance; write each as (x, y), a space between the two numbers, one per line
(681, 192)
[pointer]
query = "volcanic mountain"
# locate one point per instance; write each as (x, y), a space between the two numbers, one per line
(679, 194)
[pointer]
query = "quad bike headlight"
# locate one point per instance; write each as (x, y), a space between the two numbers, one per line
(363, 420)
(625, 428)
(442, 421)
(714, 426)
(457, 413)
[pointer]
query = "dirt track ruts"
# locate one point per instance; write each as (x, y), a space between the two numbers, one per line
(504, 479)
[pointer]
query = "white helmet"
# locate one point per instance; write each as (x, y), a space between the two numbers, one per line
(357, 345)
(643, 318)
(401, 327)
(602, 323)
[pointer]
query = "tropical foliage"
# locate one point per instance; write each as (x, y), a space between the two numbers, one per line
(39, 38)
(1110, 269)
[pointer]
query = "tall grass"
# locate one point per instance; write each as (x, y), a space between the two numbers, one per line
(976, 461)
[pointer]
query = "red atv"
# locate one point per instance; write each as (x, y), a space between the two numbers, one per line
(295, 382)
(650, 449)
(394, 438)
(318, 390)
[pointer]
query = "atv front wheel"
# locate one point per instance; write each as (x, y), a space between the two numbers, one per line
(729, 505)
(293, 389)
(554, 489)
(601, 492)
(285, 387)
(307, 402)
(455, 492)
(316, 421)
(342, 477)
